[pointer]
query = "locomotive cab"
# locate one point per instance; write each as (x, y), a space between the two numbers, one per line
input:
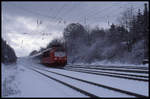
(60, 55)
(56, 56)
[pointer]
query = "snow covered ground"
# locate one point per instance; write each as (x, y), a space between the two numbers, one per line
(106, 63)
(98, 91)
(19, 81)
(128, 85)
(109, 71)
(31, 84)
(9, 81)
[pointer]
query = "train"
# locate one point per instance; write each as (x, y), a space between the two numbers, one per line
(53, 57)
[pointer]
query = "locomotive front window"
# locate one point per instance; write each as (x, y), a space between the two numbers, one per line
(59, 53)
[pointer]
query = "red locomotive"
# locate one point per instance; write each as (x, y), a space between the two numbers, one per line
(55, 56)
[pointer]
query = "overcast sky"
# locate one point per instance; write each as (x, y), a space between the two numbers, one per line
(27, 26)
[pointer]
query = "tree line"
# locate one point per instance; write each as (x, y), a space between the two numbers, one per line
(8, 54)
(126, 42)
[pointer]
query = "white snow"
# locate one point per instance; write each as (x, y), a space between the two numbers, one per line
(118, 64)
(110, 71)
(99, 91)
(28, 83)
(106, 63)
(9, 83)
(139, 87)
(33, 84)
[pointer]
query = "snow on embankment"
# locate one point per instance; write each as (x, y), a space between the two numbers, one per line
(9, 83)
(106, 63)
(9, 70)
(10, 78)
(23, 82)
(117, 64)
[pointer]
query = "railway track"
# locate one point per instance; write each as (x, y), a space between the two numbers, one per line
(106, 89)
(66, 84)
(125, 75)
(125, 67)
(114, 69)
(117, 76)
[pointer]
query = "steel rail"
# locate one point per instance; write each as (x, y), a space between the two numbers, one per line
(135, 71)
(126, 67)
(119, 73)
(98, 73)
(70, 86)
(99, 85)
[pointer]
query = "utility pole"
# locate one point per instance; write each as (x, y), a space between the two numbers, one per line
(108, 20)
(87, 27)
(85, 20)
(146, 32)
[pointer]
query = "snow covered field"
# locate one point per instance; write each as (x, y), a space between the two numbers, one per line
(31, 84)
(19, 81)
(129, 85)
(9, 81)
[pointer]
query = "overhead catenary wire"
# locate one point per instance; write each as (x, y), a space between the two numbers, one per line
(34, 12)
(95, 13)
(58, 19)
(102, 13)
(62, 21)
(39, 14)
(61, 8)
(39, 22)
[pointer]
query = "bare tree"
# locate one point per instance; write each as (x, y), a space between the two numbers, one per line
(126, 21)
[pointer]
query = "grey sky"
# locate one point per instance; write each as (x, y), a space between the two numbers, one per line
(20, 20)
